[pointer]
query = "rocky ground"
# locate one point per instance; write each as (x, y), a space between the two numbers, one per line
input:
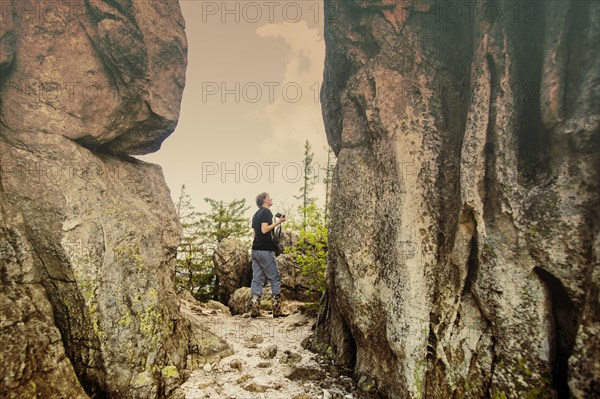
(268, 362)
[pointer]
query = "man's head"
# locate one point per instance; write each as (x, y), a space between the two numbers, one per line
(264, 200)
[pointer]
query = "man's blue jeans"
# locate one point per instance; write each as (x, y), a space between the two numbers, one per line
(264, 265)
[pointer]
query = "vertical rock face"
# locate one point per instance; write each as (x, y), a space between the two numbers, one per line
(32, 360)
(464, 231)
(88, 234)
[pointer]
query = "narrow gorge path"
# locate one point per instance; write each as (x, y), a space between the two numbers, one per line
(268, 360)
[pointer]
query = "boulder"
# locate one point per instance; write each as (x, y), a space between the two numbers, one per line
(289, 239)
(108, 75)
(296, 285)
(240, 301)
(232, 267)
(289, 357)
(268, 352)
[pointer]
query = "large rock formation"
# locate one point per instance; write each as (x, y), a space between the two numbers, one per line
(464, 238)
(88, 234)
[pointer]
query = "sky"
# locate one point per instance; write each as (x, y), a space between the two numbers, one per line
(250, 102)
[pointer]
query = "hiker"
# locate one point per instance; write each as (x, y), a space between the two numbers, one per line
(263, 255)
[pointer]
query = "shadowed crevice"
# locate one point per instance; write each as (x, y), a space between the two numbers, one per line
(566, 322)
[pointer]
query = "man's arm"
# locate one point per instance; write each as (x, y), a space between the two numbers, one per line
(266, 227)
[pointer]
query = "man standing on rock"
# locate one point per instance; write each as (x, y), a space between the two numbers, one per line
(263, 255)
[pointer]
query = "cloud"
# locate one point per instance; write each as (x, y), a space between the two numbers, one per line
(295, 114)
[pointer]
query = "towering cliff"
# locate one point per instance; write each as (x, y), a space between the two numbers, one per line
(464, 213)
(88, 234)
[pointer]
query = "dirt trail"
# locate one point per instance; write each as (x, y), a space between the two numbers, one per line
(268, 361)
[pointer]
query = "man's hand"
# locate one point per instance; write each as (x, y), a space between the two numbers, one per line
(265, 228)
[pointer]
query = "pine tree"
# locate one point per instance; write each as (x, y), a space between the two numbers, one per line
(193, 262)
(202, 233)
(308, 183)
(310, 251)
(227, 219)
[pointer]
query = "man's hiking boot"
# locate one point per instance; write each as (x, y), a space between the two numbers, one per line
(255, 307)
(277, 307)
